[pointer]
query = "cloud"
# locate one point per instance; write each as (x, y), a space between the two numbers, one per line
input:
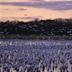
(21, 9)
(22, 18)
(7, 9)
(55, 5)
(51, 0)
(15, 0)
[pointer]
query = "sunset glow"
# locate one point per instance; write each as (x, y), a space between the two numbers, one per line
(31, 9)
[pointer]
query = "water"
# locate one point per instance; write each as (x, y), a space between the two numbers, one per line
(23, 55)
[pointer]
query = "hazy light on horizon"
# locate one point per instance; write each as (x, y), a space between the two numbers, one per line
(32, 9)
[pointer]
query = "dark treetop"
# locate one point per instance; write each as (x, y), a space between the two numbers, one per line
(57, 27)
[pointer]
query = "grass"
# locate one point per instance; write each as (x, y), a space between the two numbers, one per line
(34, 37)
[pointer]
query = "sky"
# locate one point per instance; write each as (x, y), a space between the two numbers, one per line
(27, 10)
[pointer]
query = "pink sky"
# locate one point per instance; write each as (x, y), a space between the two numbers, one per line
(30, 11)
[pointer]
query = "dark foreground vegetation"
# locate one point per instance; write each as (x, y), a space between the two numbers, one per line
(38, 29)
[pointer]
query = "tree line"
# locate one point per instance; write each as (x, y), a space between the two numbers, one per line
(37, 27)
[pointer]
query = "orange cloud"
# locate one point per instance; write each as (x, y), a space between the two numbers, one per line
(31, 13)
(15, 0)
